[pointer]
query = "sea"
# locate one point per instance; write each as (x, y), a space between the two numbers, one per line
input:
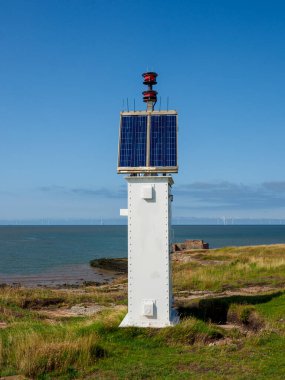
(60, 255)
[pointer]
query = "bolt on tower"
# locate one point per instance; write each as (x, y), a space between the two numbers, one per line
(148, 155)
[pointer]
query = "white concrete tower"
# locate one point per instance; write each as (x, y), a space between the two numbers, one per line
(147, 148)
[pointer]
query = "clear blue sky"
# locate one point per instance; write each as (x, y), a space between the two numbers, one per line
(65, 67)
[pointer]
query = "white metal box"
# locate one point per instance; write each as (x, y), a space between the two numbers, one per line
(149, 268)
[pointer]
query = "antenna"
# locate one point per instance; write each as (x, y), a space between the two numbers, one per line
(167, 103)
(134, 104)
(128, 104)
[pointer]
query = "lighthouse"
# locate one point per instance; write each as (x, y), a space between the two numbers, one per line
(148, 156)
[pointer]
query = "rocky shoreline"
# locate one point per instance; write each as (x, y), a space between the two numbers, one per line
(69, 276)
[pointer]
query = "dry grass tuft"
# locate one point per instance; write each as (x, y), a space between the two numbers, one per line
(36, 350)
(35, 355)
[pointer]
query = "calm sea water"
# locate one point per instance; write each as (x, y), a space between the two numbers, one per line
(30, 250)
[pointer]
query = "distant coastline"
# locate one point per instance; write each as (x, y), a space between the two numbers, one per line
(176, 221)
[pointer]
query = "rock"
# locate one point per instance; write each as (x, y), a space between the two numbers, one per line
(189, 244)
(117, 265)
(86, 310)
(73, 311)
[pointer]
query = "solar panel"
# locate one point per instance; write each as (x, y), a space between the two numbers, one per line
(133, 141)
(163, 144)
(148, 142)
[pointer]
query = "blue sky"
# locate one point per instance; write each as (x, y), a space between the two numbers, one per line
(66, 66)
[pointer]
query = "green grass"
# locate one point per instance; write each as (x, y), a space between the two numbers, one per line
(42, 347)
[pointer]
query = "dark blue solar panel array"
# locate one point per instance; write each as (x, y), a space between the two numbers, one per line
(163, 141)
(133, 141)
(163, 144)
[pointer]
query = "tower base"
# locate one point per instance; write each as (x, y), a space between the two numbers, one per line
(173, 320)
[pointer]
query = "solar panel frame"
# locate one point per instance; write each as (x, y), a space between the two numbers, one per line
(149, 165)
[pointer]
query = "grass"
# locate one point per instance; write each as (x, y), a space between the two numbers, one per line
(35, 351)
(200, 347)
(38, 297)
(234, 268)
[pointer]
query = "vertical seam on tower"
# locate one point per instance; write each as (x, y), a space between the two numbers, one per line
(148, 140)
